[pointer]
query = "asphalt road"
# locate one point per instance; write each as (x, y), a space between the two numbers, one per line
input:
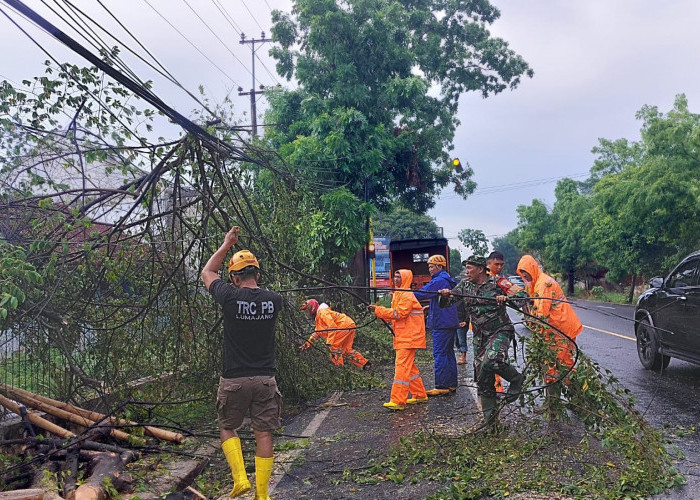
(350, 430)
(669, 400)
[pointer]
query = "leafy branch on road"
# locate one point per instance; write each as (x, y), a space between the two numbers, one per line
(592, 444)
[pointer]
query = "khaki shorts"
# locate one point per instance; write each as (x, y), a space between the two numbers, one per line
(259, 395)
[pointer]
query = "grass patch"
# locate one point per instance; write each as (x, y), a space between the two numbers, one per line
(598, 294)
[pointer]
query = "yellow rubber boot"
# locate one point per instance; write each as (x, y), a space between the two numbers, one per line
(263, 471)
(234, 457)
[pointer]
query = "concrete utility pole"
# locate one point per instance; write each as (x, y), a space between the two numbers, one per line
(253, 92)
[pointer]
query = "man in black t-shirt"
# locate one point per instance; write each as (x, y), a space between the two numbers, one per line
(247, 381)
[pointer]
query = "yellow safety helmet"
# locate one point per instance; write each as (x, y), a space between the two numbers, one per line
(241, 260)
(438, 260)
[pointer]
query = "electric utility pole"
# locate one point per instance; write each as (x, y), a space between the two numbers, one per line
(253, 92)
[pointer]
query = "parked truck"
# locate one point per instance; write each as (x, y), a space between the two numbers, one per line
(413, 255)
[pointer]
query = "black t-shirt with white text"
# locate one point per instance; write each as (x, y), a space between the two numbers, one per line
(249, 329)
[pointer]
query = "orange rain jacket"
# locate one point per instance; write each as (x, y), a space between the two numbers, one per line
(331, 324)
(406, 315)
(559, 314)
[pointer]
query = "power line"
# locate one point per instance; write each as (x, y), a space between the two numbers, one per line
(163, 71)
(89, 35)
(239, 31)
(516, 185)
(251, 15)
(191, 43)
(227, 16)
(30, 15)
(215, 35)
(234, 153)
(267, 70)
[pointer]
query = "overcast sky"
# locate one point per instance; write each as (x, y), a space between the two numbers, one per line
(596, 63)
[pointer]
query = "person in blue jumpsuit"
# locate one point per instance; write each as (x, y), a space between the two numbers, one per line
(443, 323)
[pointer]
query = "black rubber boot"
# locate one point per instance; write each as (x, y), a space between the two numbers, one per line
(490, 411)
(516, 380)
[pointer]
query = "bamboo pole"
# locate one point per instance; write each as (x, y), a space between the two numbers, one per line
(71, 417)
(37, 420)
(92, 415)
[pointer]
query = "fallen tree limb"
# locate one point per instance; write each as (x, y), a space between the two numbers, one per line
(60, 444)
(70, 479)
(157, 433)
(68, 416)
(36, 419)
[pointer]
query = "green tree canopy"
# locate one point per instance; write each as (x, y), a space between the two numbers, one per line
(647, 212)
(508, 246)
(403, 224)
(456, 267)
(533, 225)
(566, 242)
(474, 239)
(637, 214)
(378, 88)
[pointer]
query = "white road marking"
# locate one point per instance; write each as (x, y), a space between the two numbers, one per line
(286, 460)
(611, 333)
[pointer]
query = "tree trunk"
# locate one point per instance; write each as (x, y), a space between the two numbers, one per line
(570, 286)
(631, 295)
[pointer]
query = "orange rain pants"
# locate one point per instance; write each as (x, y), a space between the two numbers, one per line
(406, 377)
(339, 331)
(565, 356)
(341, 347)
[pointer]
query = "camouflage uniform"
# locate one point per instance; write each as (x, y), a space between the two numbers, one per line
(493, 330)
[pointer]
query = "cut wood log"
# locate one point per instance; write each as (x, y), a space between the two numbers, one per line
(108, 466)
(157, 433)
(70, 417)
(37, 420)
(32, 494)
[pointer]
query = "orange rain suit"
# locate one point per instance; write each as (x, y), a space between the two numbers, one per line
(558, 313)
(406, 315)
(339, 331)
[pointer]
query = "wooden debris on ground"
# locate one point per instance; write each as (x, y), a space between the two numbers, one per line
(104, 462)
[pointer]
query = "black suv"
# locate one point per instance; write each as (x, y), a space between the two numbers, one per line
(668, 317)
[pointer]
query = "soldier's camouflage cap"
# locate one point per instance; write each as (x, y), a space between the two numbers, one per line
(476, 260)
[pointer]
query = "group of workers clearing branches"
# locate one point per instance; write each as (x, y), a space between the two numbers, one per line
(247, 386)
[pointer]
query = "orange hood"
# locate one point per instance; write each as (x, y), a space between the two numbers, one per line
(529, 264)
(406, 278)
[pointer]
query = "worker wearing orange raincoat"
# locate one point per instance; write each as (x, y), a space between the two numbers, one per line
(557, 312)
(339, 331)
(406, 315)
